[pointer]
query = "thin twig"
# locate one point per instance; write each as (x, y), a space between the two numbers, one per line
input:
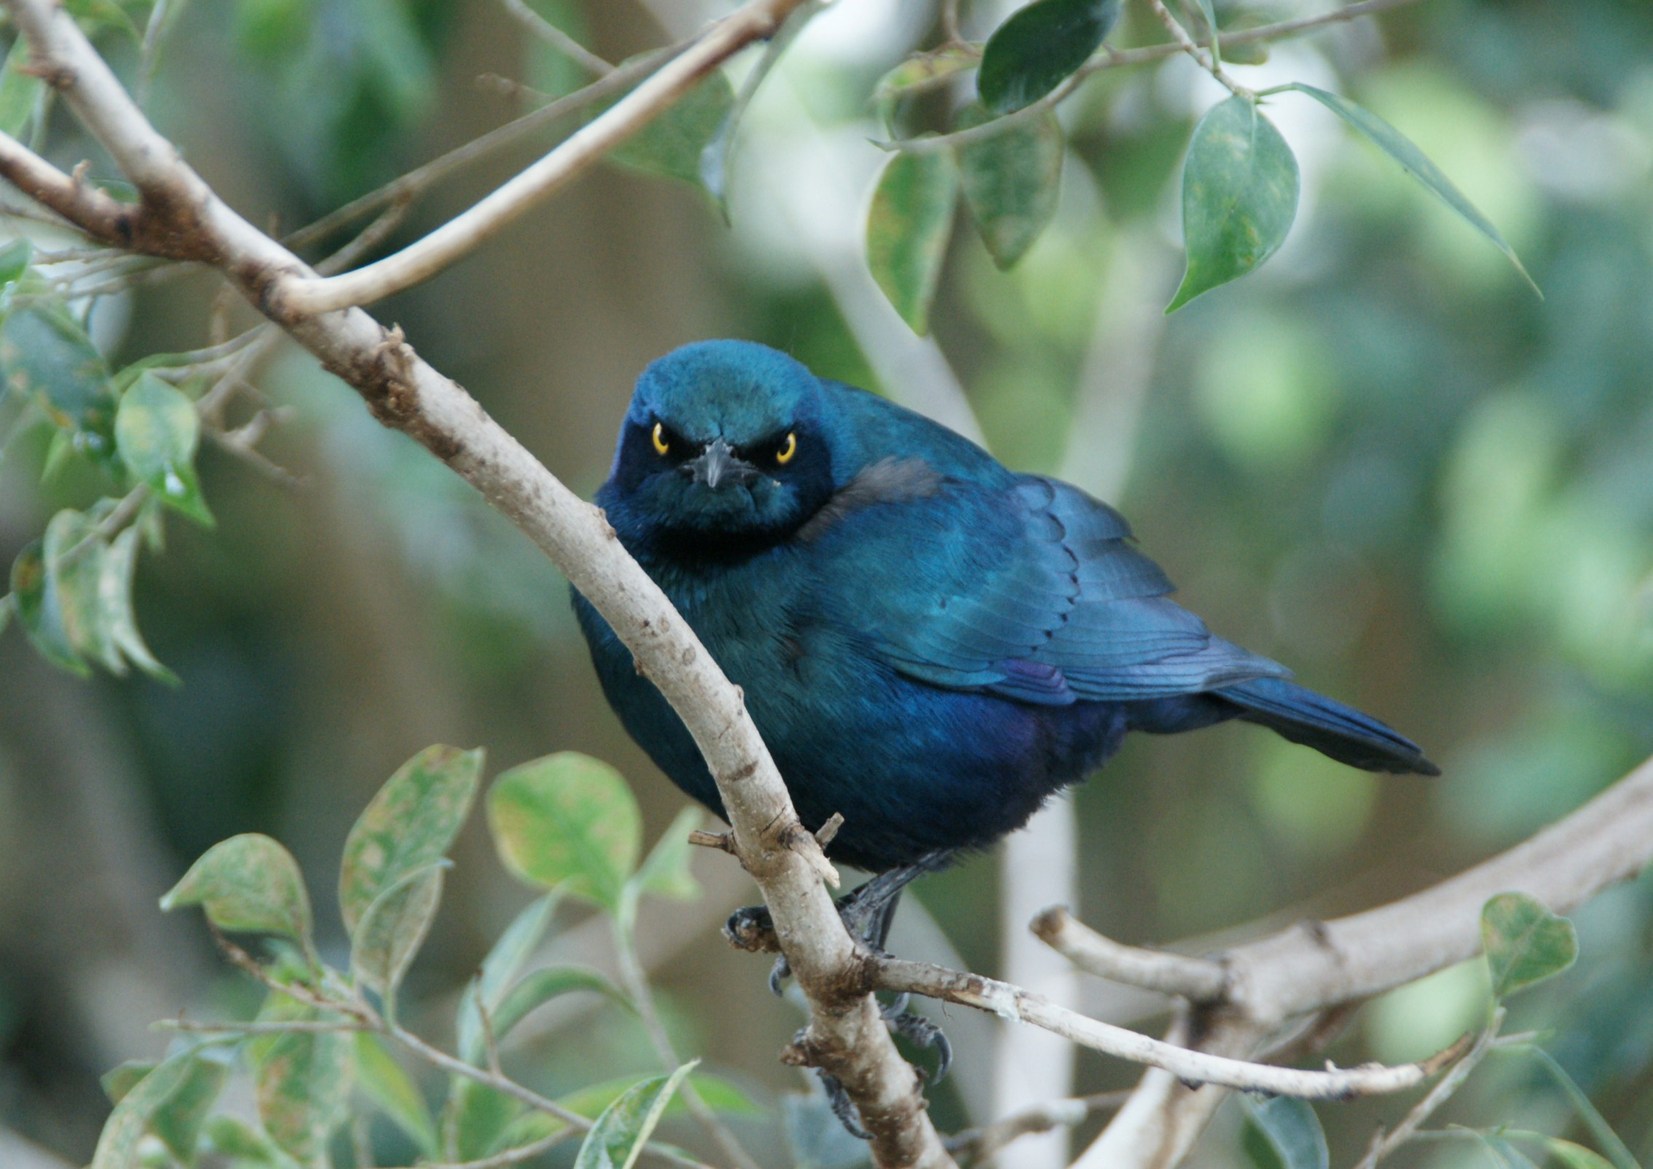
(1195, 979)
(1205, 58)
(557, 38)
(415, 182)
(1385, 1143)
(977, 1144)
(637, 988)
(465, 232)
(1110, 58)
(1013, 1002)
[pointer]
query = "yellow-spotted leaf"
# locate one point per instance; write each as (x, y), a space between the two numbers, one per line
(157, 432)
(1525, 943)
(408, 825)
(567, 820)
(1011, 182)
(1239, 196)
(907, 228)
(247, 883)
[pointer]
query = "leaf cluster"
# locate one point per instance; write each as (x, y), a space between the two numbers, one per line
(326, 1050)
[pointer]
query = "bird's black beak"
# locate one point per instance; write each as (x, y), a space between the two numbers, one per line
(718, 464)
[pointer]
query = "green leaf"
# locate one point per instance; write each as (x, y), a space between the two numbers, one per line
(538, 987)
(15, 256)
(923, 71)
(1417, 164)
(301, 1082)
(718, 1094)
(1011, 184)
(115, 598)
(1038, 48)
(477, 1119)
(124, 1131)
(567, 819)
(907, 229)
(76, 562)
(501, 965)
(178, 1121)
(1575, 1156)
(247, 882)
(409, 824)
(1525, 943)
(390, 1087)
(157, 431)
(620, 1133)
(239, 1143)
(393, 928)
(21, 89)
(674, 143)
(1283, 1133)
(1504, 1154)
(35, 599)
(1239, 196)
(119, 1080)
(46, 356)
(1210, 14)
(665, 872)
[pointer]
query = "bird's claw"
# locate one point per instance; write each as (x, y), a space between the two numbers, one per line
(751, 929)
(842, 1106)
(920, 1031)
(778, 974)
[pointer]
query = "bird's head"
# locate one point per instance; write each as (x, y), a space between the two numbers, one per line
(724, 445)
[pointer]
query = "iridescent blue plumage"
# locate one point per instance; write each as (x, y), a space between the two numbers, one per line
(930, 643)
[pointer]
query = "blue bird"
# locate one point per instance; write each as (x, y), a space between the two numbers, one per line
(930, 643)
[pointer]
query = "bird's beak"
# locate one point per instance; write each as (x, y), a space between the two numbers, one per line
(719, 464)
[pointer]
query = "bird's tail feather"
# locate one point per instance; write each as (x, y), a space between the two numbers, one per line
(1343, 733)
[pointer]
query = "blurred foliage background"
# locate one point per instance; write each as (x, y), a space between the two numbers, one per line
(1381, 460)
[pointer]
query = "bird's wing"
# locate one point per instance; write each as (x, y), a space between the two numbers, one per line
(1029, 589)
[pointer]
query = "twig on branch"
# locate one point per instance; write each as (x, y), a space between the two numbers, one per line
(1110, 58)
(1193, 1067)
(975, 1145)
(465, 232)
(181, 217)
(1385, 1143)
(1195, 979)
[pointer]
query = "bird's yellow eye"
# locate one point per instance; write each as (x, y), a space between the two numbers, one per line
(783, 456)
(661, 446)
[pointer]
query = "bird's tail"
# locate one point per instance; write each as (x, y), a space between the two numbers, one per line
(1328, 726)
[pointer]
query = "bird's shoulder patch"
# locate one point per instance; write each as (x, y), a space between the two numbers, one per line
(889, 480)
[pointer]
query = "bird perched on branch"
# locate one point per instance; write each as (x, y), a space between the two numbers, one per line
(930, 643)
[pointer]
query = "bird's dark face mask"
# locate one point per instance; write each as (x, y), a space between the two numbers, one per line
(724, 492)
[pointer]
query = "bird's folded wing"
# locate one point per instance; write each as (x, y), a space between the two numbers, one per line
(1032, 591)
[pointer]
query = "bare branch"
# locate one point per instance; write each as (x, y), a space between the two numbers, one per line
(1187, 1065)
(83, 205)
(462, 234)
(1197, 979)
(1316, 965)
(1385, 1143)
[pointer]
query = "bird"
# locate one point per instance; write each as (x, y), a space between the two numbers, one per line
(930, 643)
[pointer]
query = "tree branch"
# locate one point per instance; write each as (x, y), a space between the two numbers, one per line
(1311, 966)
(846, 1036)
(1188, 1065)
(756, 21)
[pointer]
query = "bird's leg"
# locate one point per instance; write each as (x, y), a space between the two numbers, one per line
(867, 911)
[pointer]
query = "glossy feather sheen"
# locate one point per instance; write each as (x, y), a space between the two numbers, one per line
(930, 643)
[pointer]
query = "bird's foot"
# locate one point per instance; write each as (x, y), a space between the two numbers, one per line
(842, 1106)
(921, 1032)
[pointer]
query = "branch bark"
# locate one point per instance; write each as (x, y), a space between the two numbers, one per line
(180, 216)
(1315, 965)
